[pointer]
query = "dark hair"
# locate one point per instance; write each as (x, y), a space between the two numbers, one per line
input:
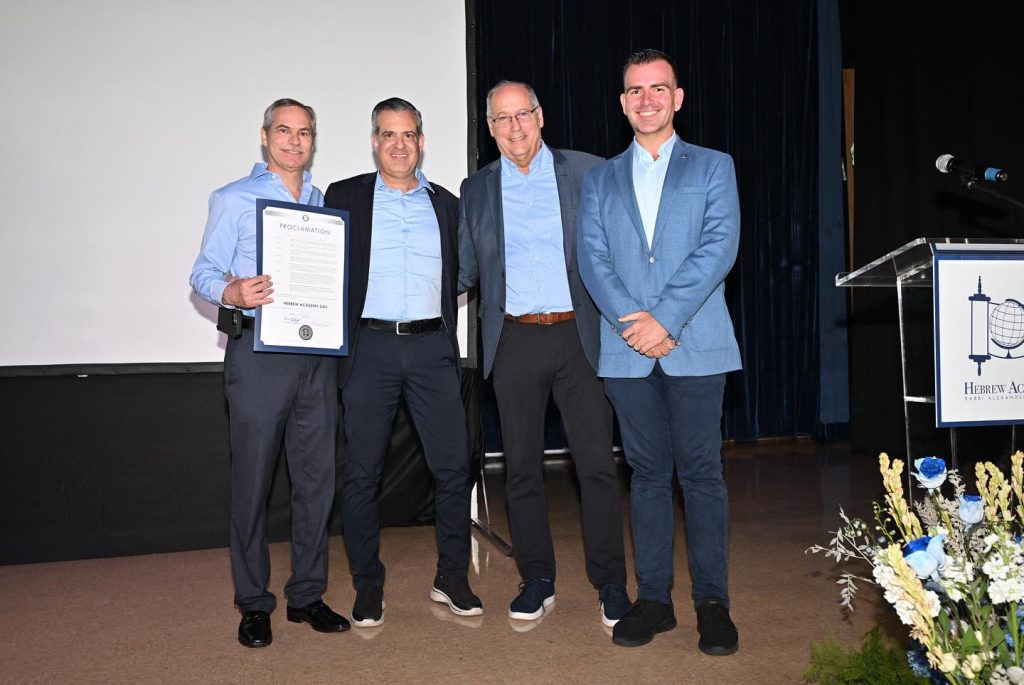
(268, 115)
(395, 105)
(647, 56)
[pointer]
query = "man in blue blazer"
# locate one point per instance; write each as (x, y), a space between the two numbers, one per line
(658, 233)
(517, 241)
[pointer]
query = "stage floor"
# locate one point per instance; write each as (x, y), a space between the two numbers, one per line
(169, 617)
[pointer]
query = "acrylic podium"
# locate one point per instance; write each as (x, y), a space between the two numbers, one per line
(911, 266)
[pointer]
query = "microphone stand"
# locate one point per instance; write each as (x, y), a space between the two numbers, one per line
(971, 182)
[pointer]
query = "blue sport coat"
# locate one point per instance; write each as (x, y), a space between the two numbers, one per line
(680, 279)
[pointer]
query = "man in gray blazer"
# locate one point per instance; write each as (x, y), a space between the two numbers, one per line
(517, 220)
(658, 233)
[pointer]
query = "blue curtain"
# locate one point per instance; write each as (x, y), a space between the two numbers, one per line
(751, 72)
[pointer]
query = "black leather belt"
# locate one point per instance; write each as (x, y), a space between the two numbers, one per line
(248, 321)
(404, 327)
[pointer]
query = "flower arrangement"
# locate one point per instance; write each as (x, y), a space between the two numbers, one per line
(951, 567)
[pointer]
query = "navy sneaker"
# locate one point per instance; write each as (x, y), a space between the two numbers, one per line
(614, 603)
(535, 595)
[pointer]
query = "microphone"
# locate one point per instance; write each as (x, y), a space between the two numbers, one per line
(948, 163)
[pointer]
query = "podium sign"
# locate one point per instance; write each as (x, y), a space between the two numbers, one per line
(979, 335)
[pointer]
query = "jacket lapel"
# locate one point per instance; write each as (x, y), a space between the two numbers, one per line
(566, 204)
(624, 177)
(669, 198)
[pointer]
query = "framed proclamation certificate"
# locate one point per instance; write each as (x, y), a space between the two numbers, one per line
(304, 250)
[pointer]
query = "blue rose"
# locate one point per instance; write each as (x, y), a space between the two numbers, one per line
(924, 555)
(931, 472)
(971, 510)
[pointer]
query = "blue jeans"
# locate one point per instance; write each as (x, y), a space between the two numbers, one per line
(675, 421)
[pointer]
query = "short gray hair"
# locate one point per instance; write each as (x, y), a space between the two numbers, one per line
(395, 105)
(268, 115)
(534, 102)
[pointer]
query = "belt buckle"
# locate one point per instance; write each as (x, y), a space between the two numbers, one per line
(541, 322)
(398, 328)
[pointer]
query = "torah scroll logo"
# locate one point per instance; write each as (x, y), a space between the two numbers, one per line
(997, 329)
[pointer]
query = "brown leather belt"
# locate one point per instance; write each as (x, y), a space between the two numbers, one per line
(542, 319)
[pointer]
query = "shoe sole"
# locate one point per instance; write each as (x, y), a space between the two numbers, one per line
(719, 651)
(521, 616)
(255, 645)
(662, 627)
(442, 598)
(369, 622)
(605, 621)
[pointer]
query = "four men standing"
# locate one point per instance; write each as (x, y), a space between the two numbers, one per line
(658, 230)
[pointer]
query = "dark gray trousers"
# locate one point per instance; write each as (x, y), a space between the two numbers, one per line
(273, 396)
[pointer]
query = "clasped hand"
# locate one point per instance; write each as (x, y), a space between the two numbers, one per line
(646, 335)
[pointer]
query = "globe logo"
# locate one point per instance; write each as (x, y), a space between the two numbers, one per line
(1006, 324)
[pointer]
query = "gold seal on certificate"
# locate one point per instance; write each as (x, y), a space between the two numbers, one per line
(303, 248)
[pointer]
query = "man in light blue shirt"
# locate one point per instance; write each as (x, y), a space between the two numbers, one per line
(403, 270)
(517, 243)
(658, 233)
(271, 396)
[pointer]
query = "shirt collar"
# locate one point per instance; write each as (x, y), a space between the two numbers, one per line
(642, 156)
(421, 182)
(260, 169)
(542, 161)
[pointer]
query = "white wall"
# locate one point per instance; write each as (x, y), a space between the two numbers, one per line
(119, 117)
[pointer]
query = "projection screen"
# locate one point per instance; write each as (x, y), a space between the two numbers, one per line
(120, 117)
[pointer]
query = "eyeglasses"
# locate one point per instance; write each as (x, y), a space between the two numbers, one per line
(522, 117)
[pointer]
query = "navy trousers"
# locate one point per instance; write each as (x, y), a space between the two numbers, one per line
(674, 422)
(423, 369)
(270, 397)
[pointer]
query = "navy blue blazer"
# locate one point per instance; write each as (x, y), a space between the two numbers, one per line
(482, 248)
(356, 196)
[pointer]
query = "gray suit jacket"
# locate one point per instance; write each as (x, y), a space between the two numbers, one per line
(482, 248)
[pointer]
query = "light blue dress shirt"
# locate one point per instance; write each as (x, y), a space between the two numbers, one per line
(648, 180)
(405, 255)
(229, 241)
(535, 278)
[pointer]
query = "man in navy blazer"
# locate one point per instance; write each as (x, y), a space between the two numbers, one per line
(658, 233)
(517, 241)
(403, 270)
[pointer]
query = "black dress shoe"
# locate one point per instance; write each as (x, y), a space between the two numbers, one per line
(254, 630)
(642, 622)
(320, 617)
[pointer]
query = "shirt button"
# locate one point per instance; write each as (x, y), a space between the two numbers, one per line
(651, 260)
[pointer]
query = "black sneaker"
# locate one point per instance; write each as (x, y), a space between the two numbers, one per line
(645, 619)
(456, 594)
(535, 595)
(614, 603)
(718, 635)
(368, 609)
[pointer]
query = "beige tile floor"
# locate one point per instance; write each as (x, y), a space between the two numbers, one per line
(169, 618)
